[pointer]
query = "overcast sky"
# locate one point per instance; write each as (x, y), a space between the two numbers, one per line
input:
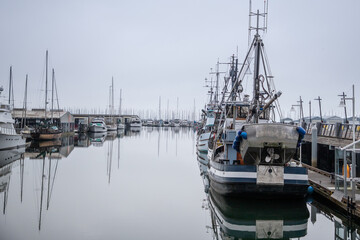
(166, 48)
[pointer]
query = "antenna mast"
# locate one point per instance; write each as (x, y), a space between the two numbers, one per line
(257, 14)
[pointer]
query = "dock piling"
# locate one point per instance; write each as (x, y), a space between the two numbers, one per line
(314, 146)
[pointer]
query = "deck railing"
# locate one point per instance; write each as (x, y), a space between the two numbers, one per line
(7, 131)
(335, 130)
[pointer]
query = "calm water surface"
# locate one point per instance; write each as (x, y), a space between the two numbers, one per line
(141, 184)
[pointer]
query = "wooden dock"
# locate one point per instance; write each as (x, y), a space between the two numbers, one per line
(324, 185)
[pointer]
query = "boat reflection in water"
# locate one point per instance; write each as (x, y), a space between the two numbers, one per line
(7, 159)
(234, 218)
(97, 139)
(82, 140)
(244, 218)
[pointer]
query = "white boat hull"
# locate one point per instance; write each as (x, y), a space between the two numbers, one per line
(11, 141)
(111, 128)
(202, 144)
(97, 129)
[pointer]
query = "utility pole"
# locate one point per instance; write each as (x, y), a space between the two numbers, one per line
(310, 111)
(343, 101)
(319, 99)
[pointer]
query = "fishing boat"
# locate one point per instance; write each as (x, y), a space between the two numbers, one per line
(209, 116)
(8, 136)
(97, 125)
(205, 132)
(47, 130)
(252, 153)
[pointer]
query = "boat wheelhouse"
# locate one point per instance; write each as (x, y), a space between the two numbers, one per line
(97, 125)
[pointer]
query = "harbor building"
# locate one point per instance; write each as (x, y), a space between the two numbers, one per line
(34, 117)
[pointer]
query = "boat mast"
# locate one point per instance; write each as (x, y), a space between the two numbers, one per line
(159, 107)
(258, 43)
(46, 80)
(217, 83)
(25, 103)
(11, 91)
(112, 98)
(49, 178)
(52, 96)
(167, 110)
(177, 108)
(22, 166)
(42, 188)
(120, 102)
(233, 73)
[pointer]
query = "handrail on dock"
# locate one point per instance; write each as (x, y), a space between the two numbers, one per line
(350, 145)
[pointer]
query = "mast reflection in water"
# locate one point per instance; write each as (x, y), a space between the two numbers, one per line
(246, 218)
(140, 184)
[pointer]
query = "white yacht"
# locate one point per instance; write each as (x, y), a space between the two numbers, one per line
(120, 126)
(97, 125)
(176, 123)
(166, 123)
(8, 136)
(111, 127)
(135, 122)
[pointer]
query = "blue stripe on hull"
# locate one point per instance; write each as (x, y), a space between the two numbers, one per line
(224, 180)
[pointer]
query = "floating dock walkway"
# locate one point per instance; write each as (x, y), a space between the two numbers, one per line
(324, 185)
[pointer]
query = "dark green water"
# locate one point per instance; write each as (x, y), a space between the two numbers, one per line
(143, 184)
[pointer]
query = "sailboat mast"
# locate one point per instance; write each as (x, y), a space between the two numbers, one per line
(177, 108)
(10, 84)
(46, 81)
(25, 103)
(159, 107)
(120, 102)
(112, 96)
(167, 110)
(52, 96)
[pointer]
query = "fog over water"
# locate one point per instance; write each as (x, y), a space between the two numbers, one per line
(137, 184)
(166, 48)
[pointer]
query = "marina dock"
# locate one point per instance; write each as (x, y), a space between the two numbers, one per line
(324, 186)
(326, 167)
